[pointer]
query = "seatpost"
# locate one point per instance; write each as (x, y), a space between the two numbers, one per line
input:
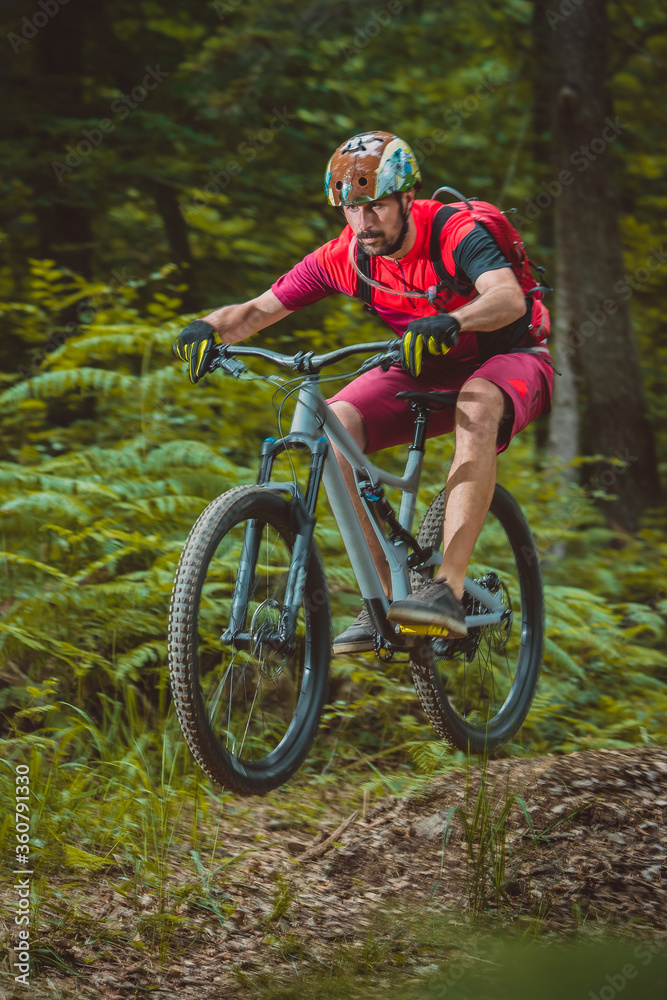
(415, 458)
(421, 427)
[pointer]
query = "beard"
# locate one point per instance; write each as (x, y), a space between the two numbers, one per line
(385, 247)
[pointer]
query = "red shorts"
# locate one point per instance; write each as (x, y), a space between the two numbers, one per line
(526, 378)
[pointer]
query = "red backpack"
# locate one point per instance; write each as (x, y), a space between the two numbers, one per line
(510, 245)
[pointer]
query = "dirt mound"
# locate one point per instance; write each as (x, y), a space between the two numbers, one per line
(584, 838)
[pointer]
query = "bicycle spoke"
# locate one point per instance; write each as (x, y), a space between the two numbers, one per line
(255, 715)
(245, 731)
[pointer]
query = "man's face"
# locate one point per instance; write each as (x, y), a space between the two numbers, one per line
(380, 226)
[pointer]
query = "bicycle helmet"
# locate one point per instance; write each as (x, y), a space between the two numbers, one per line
(369, 166)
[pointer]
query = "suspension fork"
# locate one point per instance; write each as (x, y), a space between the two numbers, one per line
(302, 522)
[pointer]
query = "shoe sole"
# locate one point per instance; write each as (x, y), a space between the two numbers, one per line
(424, 625)
(352, 647)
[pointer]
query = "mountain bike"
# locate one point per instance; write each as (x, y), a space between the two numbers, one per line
(250, 617)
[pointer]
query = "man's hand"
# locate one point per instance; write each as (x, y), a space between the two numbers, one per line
(435, 333)
(194, 345)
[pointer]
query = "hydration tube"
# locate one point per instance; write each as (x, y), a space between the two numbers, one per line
(377, 284)
(432, 292)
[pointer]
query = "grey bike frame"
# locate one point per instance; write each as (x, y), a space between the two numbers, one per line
(312, 416)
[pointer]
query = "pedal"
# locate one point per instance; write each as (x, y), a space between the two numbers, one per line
(438, 630)
(383, 652)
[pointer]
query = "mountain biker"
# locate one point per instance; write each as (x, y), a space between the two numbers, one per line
(372, 180)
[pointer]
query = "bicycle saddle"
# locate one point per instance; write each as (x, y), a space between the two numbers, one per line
(431, 400)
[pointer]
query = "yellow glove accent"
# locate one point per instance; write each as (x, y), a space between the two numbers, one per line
(407, 337)
(416, 355)
(413, 347)
(434, 349)
(200, 356)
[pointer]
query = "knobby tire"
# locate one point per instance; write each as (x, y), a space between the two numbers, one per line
(249, 718)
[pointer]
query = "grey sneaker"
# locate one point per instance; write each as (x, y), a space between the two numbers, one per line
(431, 610)
(359, 637)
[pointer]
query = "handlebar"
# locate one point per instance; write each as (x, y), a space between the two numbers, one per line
(226, 356)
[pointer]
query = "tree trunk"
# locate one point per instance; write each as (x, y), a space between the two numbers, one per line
(564, 430)
(541, 236)
(593, 294)
(176, 231)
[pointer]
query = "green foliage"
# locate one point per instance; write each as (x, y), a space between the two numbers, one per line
(605, 664)
(485, 825)
(118, 454)
(202, 196)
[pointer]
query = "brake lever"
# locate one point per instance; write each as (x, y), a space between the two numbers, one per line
(373, 362)
(231, 366)
(392, 358)
(384, 360)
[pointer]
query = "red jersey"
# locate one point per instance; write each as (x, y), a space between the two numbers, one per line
(467, 251)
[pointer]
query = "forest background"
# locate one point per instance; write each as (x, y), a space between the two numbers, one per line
(159, 159)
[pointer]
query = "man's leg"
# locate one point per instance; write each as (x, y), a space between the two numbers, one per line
(470, 485)
(472, 475)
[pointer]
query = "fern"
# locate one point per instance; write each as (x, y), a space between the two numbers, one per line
(96, 506)
(57, 383)
(115, 341)
(16, 559)
(46, 502)
(140, 657)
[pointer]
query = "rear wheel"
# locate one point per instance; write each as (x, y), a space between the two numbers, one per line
(476, 691)
(249, 711)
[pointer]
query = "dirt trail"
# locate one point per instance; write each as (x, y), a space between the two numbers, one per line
(601, 856)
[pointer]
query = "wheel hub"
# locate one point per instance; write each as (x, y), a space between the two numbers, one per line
(265, 639)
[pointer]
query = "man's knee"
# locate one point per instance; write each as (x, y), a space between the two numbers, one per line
(352, 421)
(480, 408)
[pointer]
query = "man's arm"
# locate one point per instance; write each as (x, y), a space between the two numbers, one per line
(500, 301)
(236, 322)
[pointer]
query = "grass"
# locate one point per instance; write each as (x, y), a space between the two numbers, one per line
(485, 825)
(119, 811)
(138, 829)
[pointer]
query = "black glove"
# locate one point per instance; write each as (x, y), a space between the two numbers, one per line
(436, 333)
(194, 345)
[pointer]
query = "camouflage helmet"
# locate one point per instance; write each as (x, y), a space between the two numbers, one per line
(370, 166)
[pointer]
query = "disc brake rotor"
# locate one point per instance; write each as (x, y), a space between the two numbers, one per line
(263, 629)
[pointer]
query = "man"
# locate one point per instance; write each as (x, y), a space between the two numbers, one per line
(372, 179)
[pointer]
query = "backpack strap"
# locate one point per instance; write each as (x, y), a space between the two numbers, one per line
(364, 291)
(440, 220)
(447, 280)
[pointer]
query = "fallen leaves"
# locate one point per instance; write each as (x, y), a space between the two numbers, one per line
(595, 847)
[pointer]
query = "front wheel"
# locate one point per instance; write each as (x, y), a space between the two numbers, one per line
(249, 710)
(476, 691)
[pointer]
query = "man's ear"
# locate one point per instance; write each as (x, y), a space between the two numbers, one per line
(405, 200)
